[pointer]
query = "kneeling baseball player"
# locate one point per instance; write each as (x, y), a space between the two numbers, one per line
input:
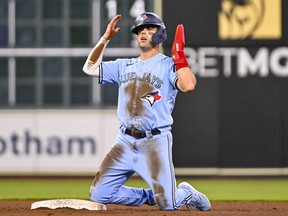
(148, 86)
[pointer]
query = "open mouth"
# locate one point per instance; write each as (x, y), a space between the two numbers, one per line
(143, 39)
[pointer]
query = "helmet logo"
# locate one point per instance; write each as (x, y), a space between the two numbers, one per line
(141, 19)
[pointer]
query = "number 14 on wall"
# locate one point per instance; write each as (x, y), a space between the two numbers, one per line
(136, 8)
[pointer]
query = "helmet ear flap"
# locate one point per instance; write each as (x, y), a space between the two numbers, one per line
(159, 36)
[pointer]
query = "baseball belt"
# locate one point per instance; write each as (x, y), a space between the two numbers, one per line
(138, 134)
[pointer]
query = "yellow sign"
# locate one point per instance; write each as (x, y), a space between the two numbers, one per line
(253, 19)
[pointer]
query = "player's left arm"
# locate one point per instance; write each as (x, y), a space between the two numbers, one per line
(186, 79)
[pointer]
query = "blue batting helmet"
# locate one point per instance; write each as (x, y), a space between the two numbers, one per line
(149, 18)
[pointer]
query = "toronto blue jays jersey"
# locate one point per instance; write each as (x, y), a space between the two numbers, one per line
(147, 90)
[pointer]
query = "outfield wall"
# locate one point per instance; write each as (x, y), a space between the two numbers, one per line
(73, 142)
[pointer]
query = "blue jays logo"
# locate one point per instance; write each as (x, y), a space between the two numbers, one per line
(141, 19)
(152, 97)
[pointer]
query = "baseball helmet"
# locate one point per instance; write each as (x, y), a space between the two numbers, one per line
(149, 18)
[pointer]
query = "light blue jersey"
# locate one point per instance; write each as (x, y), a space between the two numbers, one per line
(147, 90)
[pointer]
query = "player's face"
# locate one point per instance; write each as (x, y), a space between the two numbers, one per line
(144, 36)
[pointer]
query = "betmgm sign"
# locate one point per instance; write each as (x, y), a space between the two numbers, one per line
(245, 27)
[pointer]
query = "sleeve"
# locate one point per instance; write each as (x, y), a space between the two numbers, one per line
(173, 76)
(110, 71)
(92, 68)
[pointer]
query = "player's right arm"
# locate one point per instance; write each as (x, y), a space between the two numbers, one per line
(91, 66)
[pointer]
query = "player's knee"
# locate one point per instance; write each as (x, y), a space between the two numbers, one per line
(98, 195)
(99, 198)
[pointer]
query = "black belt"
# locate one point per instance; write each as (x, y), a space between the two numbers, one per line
(137, 134)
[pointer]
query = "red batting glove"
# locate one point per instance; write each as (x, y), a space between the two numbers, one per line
(178, 54)
(180, 60)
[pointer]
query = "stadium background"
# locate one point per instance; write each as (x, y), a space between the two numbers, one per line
(55, 120)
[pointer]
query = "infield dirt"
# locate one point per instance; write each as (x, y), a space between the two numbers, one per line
(23, 208)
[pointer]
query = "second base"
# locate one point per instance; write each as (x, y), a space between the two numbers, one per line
(68, 203)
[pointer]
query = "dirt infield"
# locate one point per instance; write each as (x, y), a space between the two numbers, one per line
(22, 208)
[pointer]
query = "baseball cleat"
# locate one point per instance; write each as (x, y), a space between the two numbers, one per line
(195, 199)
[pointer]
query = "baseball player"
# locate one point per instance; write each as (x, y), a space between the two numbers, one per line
(148, 86)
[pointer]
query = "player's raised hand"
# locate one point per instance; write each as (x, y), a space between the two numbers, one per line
(179, 40)
(111, 30)
(177, 51)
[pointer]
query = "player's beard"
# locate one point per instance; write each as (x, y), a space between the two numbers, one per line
(148, 47)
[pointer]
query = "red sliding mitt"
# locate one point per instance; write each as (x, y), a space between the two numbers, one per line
(178, 54)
